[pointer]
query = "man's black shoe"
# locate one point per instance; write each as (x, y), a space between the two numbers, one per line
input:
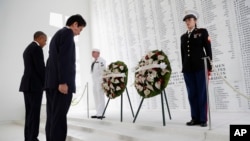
(192, 122)
(101, 117)
(203, 124)
(94, 117)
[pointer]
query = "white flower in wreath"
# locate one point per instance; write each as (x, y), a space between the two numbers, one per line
(150, 54)
(150, 61)
(164, 71)
(160, 57)
(150, 87)
(118, 88)
(154, 73)
(112, 80)
(142, 64)
(150, 78)
(146, 92)
(116, 81)
(114, 66)
(122, 79)
(105, 86)
(142, 72)
(142, 79)
(158, 84)
(111, 86)
(155, 62)
(136, 80)
(110, 96)
(163, 65)
(139, 87)
(116, 71)
(108, 71)
(139, 78)
(121, 67)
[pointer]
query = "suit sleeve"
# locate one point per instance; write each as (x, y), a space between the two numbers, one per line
(182, 51)
(64, 56)
(208, 49)
(207, 44)
(38, 59)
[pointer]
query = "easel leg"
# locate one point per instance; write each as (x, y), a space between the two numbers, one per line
(87, 85)
(167, 104)
(162, 106)
(130, 103)
(138, 110)
(105, 108)
(121, 106)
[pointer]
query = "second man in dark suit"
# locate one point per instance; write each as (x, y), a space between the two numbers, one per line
(60, 77)
(32, 85)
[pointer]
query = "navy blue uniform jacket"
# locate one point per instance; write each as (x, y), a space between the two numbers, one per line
(60, 67)
(34, 69)
(193, 49)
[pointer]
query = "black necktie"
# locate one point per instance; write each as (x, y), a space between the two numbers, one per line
(92, 66)
(189, 33)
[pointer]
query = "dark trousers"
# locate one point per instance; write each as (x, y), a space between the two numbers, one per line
(33, 101)
(196, 88)
(57, 108)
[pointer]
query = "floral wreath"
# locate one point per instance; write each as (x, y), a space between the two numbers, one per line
(152, 74)
(115, 79)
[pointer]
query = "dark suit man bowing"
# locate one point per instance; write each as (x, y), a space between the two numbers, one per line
(60, 77)
(32, 85)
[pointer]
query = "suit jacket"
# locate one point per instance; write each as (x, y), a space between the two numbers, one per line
(34, 69)
(194, 48)
(60, 67)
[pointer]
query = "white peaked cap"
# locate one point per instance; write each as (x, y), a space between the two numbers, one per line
(95, 50)
(191, 14)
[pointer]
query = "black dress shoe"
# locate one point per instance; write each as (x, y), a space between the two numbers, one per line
(192, 122)
(203, 124)
(94, 117)
(100, 117)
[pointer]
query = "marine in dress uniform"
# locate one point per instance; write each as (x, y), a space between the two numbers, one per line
(195, 44)
(32, 85)
(97, 68)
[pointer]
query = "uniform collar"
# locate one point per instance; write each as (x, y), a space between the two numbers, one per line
(96, 60)
(188, 31)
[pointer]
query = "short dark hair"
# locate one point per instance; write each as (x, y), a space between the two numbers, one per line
(38, 34)
(76, 18)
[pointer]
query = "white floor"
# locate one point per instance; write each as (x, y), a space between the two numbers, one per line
(148, 127)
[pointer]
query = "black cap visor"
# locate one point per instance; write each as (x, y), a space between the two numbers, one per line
(188, 17)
